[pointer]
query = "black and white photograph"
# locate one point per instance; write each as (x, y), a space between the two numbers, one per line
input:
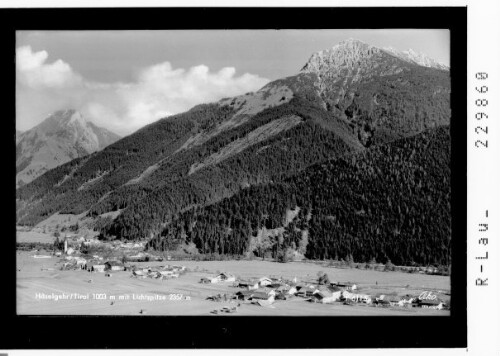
(233, 172)
(274, 177)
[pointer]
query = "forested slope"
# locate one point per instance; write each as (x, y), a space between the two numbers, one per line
(391, 202)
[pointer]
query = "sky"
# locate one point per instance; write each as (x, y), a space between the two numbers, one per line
(123, 80)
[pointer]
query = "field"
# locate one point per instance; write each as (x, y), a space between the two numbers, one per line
(185, 296)
(34, 236)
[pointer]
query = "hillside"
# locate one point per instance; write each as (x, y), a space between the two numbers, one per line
(60, 138)
(369, 205)
(349, 99)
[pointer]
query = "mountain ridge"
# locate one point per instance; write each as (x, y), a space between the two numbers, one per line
(352, 51)
(418, 58)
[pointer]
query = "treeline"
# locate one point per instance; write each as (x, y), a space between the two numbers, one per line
(389, 203)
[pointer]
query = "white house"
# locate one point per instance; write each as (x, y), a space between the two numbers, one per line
(98, 268)
(114, 266)
(335, 297)
(265, 281)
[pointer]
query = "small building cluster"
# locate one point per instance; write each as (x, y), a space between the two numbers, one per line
(265, 291)
(221, 277)
(159, 272)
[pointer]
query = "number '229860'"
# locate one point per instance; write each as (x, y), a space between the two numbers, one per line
(481, 102)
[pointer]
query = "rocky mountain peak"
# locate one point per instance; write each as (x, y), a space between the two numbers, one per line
(62, 120)
(353, 54)
(346, 54)
(69, 116)
(62, 136)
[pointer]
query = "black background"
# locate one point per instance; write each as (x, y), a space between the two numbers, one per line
(58, 332)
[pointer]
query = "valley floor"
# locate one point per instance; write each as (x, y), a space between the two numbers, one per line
(186, 296)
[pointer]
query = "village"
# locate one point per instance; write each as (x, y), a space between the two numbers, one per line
(102, 268)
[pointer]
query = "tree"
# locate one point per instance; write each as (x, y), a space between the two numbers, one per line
(389, 266)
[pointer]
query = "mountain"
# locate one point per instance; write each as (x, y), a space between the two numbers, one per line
(18, 135)
(416, 58)
(371, 88)
(350, 107)
(61, 137)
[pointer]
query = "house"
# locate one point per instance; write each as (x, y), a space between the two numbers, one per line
(334, 297)
(265, 281)
(249, 285)
(284, 288)
(255, 286)
(97, 268)
(140, 257)
(178, 268)
(382, 302)
(364, 298)
(226, 277)
(255, 295)
(243, 294)
(262, 294)
(168, 276)
(221, 277)
(265, 302)
(274, 285)
(114, 266)
(305, 293)
(325, 296)
(346, 285)
(292, 290)
(138, 272)
(319, 294)
(322, 292)
(430, 303)
(280, 295)
(387, 300)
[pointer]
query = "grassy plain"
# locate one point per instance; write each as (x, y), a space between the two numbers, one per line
(185, 296)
